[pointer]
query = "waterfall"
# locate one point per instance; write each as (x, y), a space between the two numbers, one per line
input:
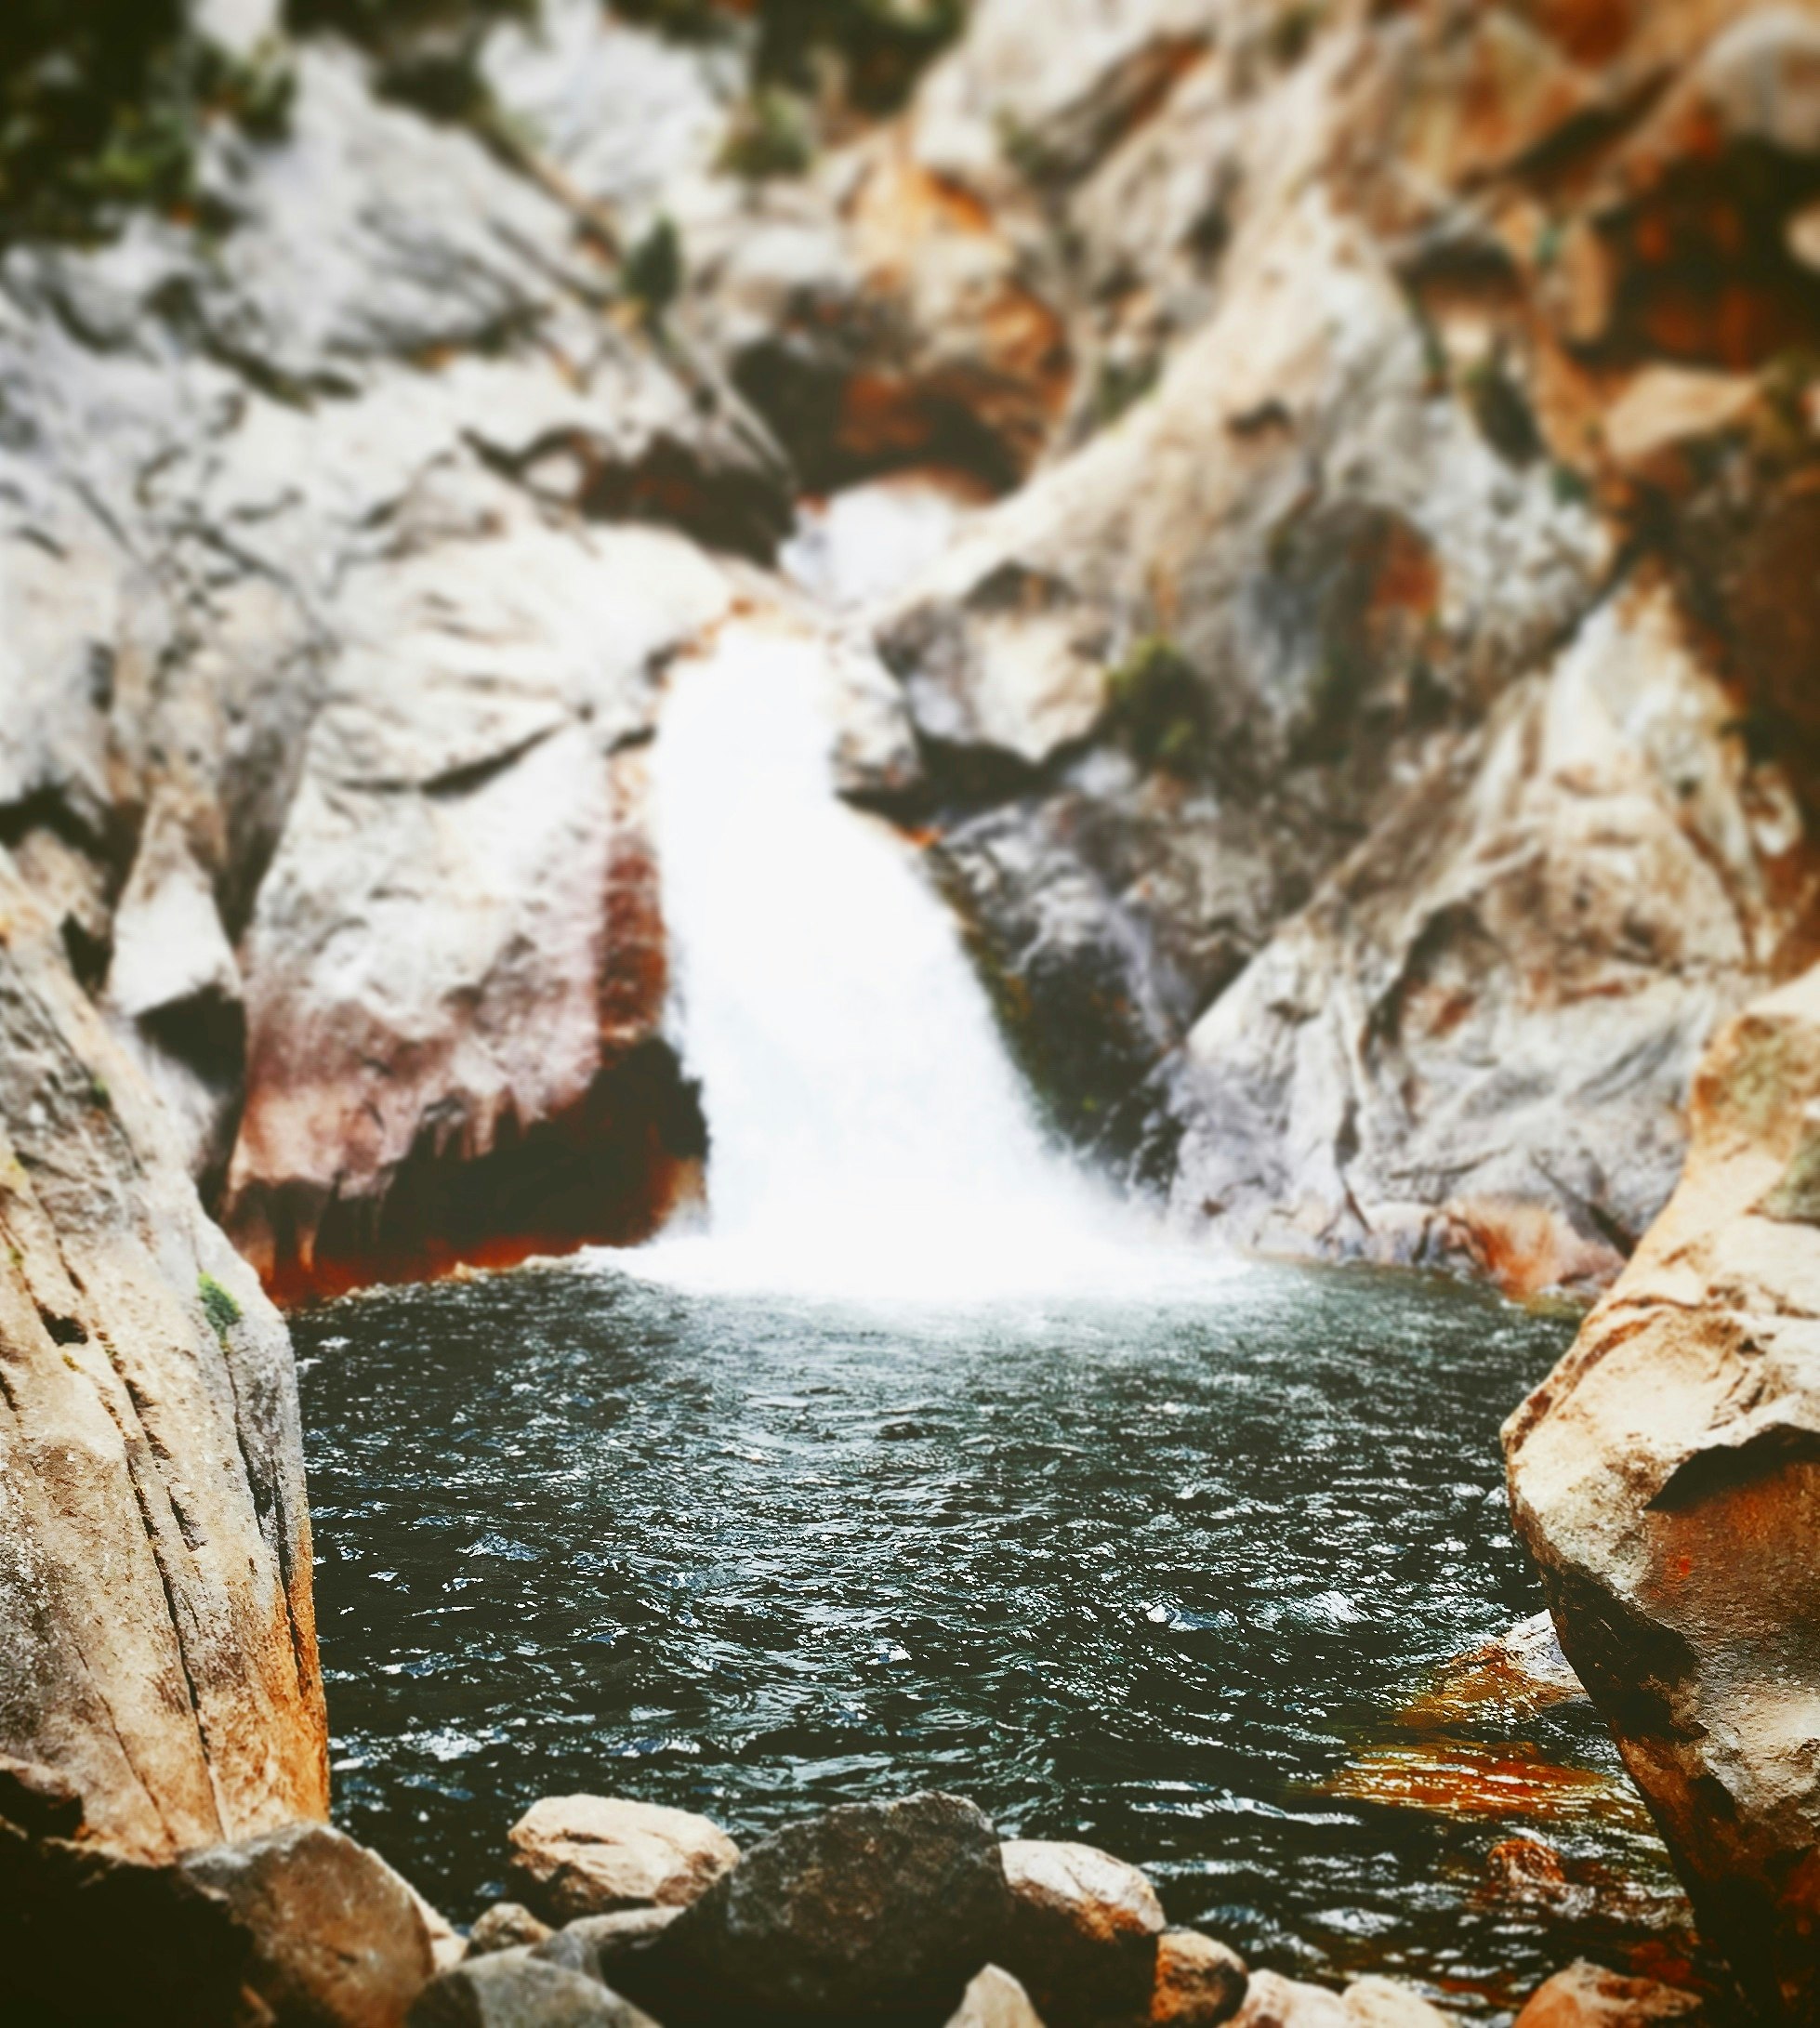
(868, 1135)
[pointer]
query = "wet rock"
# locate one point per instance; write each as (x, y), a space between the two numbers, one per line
(505, 1926)
(1663, 1478)
(1521, 1672)
(871, 1909)
(511, 1989)
(995, 2000)
(1588, 1995)
(336, 1936)
(1199, 1982)
(1383, 2003)
(590, 1855)
(154, 1545)
(1272, 2001)
(1083, 1930)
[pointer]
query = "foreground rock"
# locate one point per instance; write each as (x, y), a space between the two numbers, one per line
(1199, 1982)
(336, 1936)
(590, 1856)
(1664, 1478)
(871, 1909)
(995, 2000)
(511, 1989)
(1272, 2001)
(1083, 1931)
(1382, 2003)
(1588, 1995)
(155, 1610)
(505, 1926)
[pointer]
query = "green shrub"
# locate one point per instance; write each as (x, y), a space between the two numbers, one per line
(1157, 705)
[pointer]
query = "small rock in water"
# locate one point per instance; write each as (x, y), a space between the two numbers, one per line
(995, 2000)
(1383, 2003)
(1199, 1982)
(1272, 2001)
(511, 1989)
(504, 1926)
(1588, 1995)
(337, 1936)
(868, 1909)
(589, 1855)
(1083, 1931)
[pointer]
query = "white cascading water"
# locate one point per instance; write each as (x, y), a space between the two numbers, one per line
(868, 1136)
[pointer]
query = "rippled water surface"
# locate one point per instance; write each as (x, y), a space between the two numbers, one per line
(1161, 1578)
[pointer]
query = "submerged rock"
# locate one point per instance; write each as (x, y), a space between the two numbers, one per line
(1664, 1478)
(590, 1856)
(1083, 1931)
(871, 1909)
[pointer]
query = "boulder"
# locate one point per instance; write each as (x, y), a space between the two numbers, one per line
(601, 1945)
(994, 1999)
(505, 1926)
(511, 1989)
(1384, 2003)
(589, 1855)
(1588, 1995)
(1666, 1478)
(870, 1909)
(1083, 1931)
(1272, 2001)
(338, 1938)
(1199, 1982)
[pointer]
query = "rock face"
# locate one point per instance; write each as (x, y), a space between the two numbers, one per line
(511, 1989)
(1664, 1478)
(871, 1910)
(994, 1999)
(154, 1545)
(1083, 1931)
(591, 1855)
(1272, 2001)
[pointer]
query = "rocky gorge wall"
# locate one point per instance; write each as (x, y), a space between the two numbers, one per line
(1364, 720)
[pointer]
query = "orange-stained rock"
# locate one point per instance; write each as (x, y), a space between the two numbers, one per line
(1666, 1477)
(1588, 1995)
(155, 1612)
(1083, 1932)
(591, 1855)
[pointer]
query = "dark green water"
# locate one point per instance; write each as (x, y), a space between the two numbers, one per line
(1150, 1576)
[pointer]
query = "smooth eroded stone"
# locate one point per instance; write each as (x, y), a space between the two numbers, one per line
(1588, 1995)
(1083, 1930)
(337, 1935)
(600, 1945)
(1383, 2003)
(589, 1855)
(995, 2000)
(1272, 2001)
(1199, 1982)
(868, 1909)
(504, 1926)
(511, 1989)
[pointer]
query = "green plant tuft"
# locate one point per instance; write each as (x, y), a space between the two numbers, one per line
(653, 273)
(770, 136)
(1158, 706)
(218, 1306)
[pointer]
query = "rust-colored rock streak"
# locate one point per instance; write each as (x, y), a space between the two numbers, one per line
(156, 1620)
(1666, 1478)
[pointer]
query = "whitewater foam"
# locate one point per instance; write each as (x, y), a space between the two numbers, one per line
(868, 1136)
